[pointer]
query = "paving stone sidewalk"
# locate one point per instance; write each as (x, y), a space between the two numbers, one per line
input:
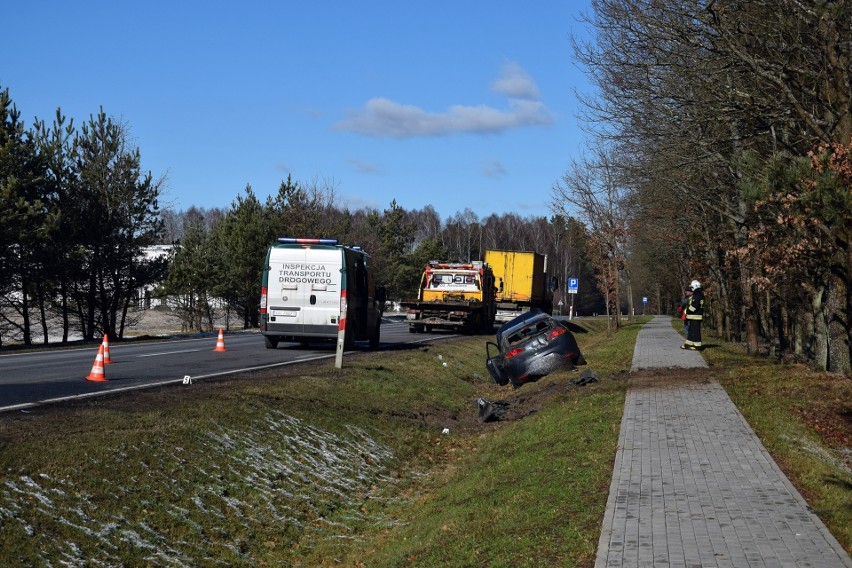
(692, 485)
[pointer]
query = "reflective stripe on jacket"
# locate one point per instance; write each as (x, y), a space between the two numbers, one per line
(695, 308)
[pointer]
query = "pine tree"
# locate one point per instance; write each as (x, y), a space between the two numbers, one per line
(119, 206)
(22, 216)
(397, 235)
(56, 146)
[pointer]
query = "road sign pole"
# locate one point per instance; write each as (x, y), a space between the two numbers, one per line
(573, 285)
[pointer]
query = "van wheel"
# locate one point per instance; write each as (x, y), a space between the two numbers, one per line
(375, 338)
(271, 342)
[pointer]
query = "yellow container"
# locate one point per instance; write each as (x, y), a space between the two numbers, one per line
(518, 275)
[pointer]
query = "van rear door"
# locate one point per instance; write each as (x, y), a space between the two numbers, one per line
(303, 291)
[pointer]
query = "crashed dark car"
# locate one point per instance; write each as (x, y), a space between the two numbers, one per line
(529, 347)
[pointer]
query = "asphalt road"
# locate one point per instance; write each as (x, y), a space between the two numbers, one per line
(44, 376)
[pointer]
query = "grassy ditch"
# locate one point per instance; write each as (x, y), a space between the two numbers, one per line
(528, 492)
(320, 466)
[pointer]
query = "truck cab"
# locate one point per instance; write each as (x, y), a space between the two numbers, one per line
(453, 295)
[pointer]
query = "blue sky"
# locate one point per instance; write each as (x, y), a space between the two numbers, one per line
(464, 104)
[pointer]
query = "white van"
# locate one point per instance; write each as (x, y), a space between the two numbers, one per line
(313, 288)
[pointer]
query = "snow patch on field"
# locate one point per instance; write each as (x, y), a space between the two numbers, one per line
(281, 475)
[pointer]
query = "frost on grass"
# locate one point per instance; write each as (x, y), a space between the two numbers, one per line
(838, 459)
(281, 480)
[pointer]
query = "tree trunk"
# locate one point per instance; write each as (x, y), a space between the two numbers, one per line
(800, 329)
(721, 308)
(63, 287)
(848, 311)
(124, 309)
(208, 313)
(79, 313)
(777, 314)
(42, 310)
(748, 311)
(25, 308)
(820, 330)
(629, 290)
(608, 310)
(786, 329)
(617, 301)
(765, 319)
(660, 309)
(91, 304)
(838, 328)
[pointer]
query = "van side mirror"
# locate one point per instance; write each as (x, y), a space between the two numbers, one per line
(554, 284)
(381, 294)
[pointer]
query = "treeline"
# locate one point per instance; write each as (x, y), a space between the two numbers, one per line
(77, 214)
(222, 251)
(721, 151)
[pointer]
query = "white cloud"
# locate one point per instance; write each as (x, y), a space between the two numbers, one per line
(382, 117)
(515, 82)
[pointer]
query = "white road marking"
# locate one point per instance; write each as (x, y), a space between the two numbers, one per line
(170, 352)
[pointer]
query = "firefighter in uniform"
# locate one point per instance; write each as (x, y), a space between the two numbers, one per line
(694, 315)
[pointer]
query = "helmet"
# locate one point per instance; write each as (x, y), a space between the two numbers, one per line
(695, 284)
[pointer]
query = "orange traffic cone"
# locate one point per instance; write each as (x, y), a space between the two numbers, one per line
(107, 360)
(97, 373)
(220, 343)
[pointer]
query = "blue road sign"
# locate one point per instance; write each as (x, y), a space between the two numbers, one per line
(644, 299)
(573, 283)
